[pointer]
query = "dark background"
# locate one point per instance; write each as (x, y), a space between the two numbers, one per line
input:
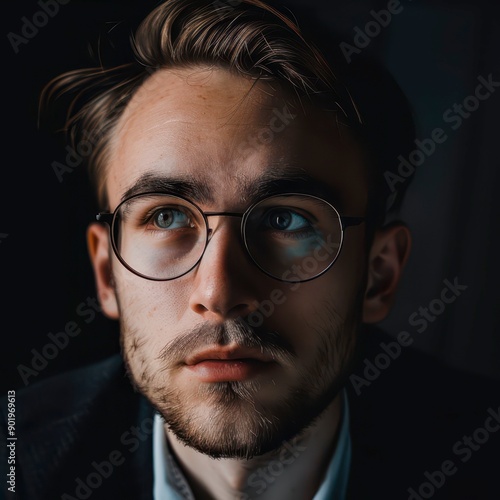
(435, 50)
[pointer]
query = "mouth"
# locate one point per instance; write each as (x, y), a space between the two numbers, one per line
(229, 364)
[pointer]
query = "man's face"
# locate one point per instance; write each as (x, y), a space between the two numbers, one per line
(228, 135)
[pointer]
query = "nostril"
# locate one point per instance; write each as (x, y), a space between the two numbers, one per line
(239, 311)
(200, 309)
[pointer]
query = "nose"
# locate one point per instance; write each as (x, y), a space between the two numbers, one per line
(225, 279)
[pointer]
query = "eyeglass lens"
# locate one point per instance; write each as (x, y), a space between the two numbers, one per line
(290, 237)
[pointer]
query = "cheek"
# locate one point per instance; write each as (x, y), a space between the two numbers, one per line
(329, 303)
(152, 306)
(150, 317)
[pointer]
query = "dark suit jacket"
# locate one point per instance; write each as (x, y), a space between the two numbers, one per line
(87, 434)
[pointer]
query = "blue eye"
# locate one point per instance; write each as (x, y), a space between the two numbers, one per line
(286, 220)
(170, 218)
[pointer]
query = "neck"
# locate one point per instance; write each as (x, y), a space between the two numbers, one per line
(296, 470)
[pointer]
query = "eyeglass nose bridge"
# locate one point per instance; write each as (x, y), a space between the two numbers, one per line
(219, 214)
(210, 231)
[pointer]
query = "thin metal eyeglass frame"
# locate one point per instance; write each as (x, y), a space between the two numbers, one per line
(109, 218)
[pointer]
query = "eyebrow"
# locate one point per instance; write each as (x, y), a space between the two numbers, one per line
(291, 179)
(277, 179)
(151, 182)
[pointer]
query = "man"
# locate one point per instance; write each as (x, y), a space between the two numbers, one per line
(244, 245)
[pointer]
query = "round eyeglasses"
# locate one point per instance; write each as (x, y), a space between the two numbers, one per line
(291, 237)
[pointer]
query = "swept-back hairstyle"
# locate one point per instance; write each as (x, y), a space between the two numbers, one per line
(256, 40)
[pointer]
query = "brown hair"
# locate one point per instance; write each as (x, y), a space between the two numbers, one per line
(249, 37)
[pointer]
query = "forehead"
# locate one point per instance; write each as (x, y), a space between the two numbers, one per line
(225, 133)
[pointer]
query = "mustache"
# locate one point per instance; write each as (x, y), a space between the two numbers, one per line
(236, 332)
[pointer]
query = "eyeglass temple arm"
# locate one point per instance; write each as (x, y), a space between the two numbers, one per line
(351, 221)
(105, 217)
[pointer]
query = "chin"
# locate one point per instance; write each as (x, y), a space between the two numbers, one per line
(226, 420)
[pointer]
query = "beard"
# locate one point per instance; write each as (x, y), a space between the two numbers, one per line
(232, 419)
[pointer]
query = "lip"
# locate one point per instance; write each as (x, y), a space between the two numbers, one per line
(228, 354)
(227, 365)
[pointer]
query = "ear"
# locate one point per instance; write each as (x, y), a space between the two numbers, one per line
(98, 245)
(388, 255)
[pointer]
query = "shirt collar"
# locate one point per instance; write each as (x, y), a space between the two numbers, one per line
(337, 475)
(170, 483)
